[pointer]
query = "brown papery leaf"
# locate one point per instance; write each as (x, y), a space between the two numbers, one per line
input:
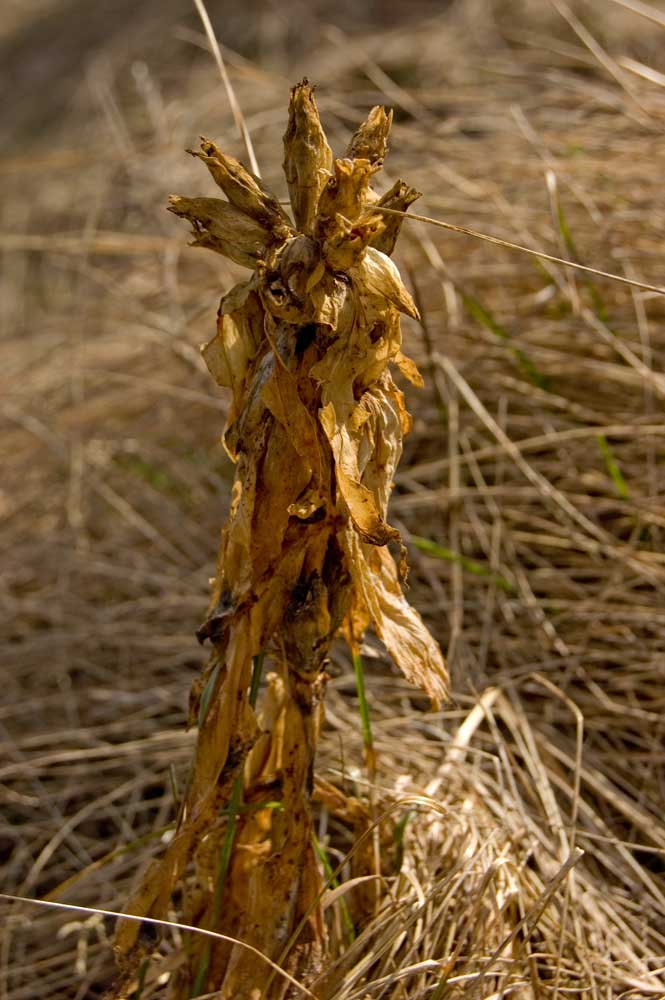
(344, 438)
(280, 394)
(345, 193)
(234, 349)
(399, 626)
(409, 369)
(398, 197)
(370, 142)
(307, 156)
(220, 227)
(246, 192)
(377, 273)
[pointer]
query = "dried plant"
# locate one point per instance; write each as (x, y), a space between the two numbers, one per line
(315, 428)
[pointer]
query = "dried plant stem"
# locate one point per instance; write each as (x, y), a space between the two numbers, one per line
(229, 837)
(315, 429)
(522, 249)
(235, 107)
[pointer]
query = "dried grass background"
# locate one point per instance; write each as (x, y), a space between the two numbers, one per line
(537, 457)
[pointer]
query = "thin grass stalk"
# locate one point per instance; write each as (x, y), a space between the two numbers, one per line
(333, 882)
(363, 708)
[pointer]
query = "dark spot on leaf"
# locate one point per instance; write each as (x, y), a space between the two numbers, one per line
(148, 934)
(217, 624)
(305, 335)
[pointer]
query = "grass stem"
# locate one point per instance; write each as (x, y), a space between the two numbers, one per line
(365, 720)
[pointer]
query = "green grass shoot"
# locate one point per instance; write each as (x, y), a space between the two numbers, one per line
(432, 548)
(613, 468)
(333, 882)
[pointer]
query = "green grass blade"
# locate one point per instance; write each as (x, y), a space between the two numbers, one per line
(173, 779)
(597, 299)
(400, 830)
(564, 229)
(613, 469)
(432, 548)
(365, 721)
(143, 971)
(253, 807)
(486, 319)
(333, 882)
(207, 695)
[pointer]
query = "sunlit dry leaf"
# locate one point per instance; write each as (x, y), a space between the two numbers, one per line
(345, 225)
(307, 156)
(380, 446)
(290, 272)
(244, 191)
(332, 303)
(377, 273)
(397, 624)
(221, 227)
(345, 193)
(409, 369)
(345, 242)
(398, 197)
(228, 354)
(370, 142)
(360, 501)
(280, 394)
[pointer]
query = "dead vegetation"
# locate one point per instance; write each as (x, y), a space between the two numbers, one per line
(530, 496)
(315, 429)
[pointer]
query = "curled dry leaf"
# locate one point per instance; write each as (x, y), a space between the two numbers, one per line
(370, 142)
(307, 156)
(243, 190)
(377, 274)
(398, 197)
(378, 598)
(315, 427)
(218, 226)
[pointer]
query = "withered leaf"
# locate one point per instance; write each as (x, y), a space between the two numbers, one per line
(280, 394)
(345, 193)
(360, 501)
(378, 274)
(221, 227)
(243, 190)
(332, 302)
(315, 427)
(409, 369)
(237, 340)
(307, 156)
(236, 346)
(370, 142)
(398, 197)
(380, 446)
(397, 624)
(345, 242)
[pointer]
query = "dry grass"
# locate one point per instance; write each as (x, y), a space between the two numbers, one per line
(536, 466)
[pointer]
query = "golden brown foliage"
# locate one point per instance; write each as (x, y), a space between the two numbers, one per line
(315, 428)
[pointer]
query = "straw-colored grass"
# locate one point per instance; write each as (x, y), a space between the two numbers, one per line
(518, 833)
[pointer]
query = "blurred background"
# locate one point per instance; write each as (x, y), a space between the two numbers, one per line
(530, 494)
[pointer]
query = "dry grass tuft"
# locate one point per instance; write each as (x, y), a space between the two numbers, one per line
(530, 491)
